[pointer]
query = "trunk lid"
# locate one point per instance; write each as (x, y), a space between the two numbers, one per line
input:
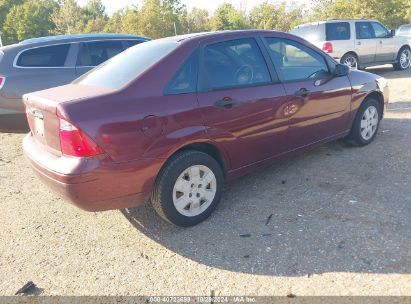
(42, 107)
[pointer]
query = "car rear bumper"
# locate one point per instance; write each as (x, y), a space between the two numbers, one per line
(93, 184)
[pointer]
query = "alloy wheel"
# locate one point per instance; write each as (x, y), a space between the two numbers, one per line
(405, 58)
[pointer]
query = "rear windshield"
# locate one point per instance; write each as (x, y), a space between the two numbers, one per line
(125, 67)
(312, 32)
(337, 31)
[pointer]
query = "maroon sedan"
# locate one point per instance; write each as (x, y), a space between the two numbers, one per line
(170, 120)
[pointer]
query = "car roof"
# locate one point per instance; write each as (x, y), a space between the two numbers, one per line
(204, 35)
(76, 37)
(334, 20)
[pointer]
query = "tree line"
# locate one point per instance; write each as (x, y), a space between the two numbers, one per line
(23, 19)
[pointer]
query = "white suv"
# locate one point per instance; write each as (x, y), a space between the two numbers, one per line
(358, 43)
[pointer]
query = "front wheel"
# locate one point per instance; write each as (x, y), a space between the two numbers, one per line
(366, 123)
(403, 59)
(188, 188)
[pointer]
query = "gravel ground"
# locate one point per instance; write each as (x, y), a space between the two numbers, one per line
(340, 226)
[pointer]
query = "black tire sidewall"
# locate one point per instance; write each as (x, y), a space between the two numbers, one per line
(356, 130)
(168, 181)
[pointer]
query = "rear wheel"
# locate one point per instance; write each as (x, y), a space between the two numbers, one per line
(403, 59)
(188, 188)
(351, 60)
(366, 123)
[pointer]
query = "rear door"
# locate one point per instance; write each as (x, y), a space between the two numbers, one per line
(386, 46)
(40, 68)
(241, 101)
(317, 102)
(365, 42)
(94, 53)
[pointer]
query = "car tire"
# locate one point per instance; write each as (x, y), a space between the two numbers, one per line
(188, 188)
(403, 59)
(366, 123)
(351, 60)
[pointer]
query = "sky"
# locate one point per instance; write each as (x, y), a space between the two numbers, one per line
(211, 5)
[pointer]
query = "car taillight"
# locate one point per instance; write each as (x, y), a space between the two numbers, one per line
(328, 47)
(2, 81)
(74, 142)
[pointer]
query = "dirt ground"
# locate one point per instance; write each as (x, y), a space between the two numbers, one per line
(340, 226)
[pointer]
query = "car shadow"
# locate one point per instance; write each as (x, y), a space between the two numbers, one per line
(388, 72)
(335, 208)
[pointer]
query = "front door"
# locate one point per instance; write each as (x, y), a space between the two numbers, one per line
(318, 102)
(239, 99)
(386, 46)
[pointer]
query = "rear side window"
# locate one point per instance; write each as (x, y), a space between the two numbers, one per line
(185, 80)
(364, 30)
(120, 70)
(95, 53)
(49, 56)
(337, 31)
(234, 63)
(312, 32)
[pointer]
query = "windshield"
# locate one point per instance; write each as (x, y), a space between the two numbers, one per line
(125, 67)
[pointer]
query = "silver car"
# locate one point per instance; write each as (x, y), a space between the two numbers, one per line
(47, 62)
(358, 43)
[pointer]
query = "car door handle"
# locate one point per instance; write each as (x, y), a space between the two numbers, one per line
(359, 43)
(226, 102)
(302, 92)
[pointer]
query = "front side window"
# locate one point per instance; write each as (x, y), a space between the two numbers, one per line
(364, 30)
(379, 30)
(337, 31)
(405, 30)
(120, 70)
(44, 57)
(95, 53)
(234, 63)
(185, 80)
(296, 62)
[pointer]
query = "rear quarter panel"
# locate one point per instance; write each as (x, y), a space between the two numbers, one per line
(139, 121)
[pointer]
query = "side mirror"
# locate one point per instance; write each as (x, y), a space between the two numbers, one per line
(341, 70)
(392, 32)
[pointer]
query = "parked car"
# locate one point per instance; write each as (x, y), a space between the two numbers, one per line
(47, 62)
(358, 43)
(170, 120)
(404, 30)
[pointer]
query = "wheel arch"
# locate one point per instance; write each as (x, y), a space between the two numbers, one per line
(210, 149)
(353, 53)
(379, 97)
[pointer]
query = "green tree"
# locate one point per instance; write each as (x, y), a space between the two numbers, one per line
(94, 17)
(390, 12)
(197, 20)
(28, 20)
(68, 19)
(227, 17)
